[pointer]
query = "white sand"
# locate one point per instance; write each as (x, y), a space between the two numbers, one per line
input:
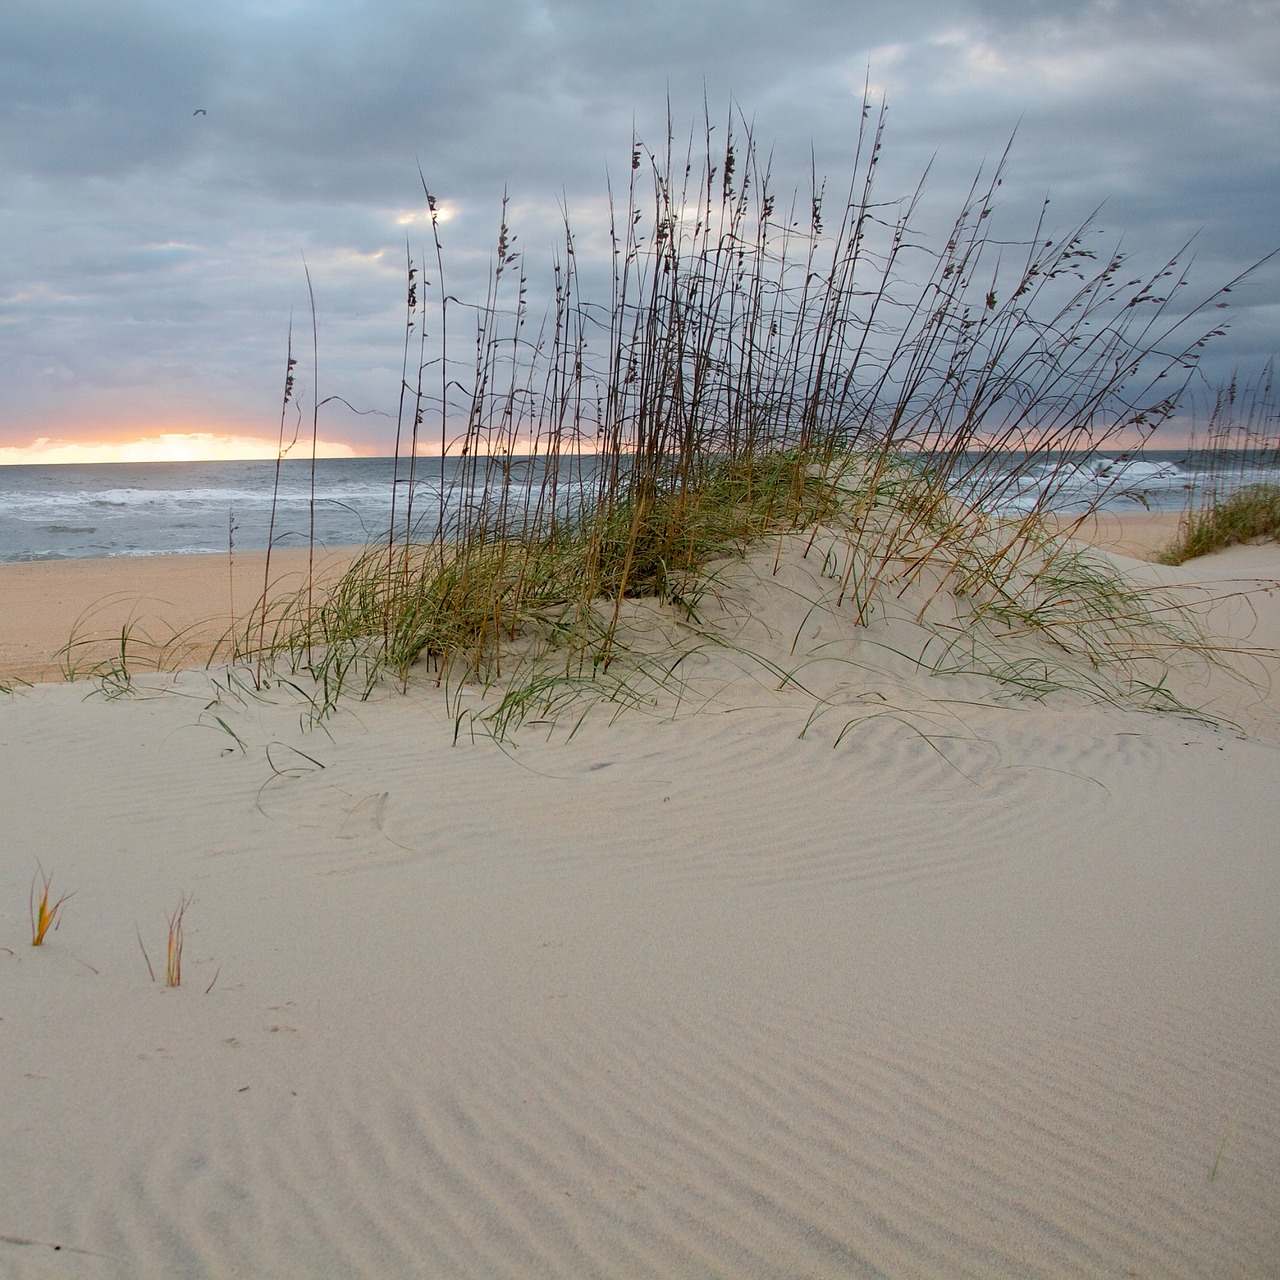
(1142, 534)
(991, 988)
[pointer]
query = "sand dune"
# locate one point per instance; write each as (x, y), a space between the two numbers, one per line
(874, 973)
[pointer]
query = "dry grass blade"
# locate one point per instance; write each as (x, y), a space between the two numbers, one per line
(44, 915)
(143, 948)
(173, 957)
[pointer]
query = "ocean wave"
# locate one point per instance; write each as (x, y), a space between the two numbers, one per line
(88, 511)
(1066, 486)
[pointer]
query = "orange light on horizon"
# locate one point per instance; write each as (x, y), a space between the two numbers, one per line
(168, 446)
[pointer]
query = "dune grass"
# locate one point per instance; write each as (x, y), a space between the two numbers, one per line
(114, 654)
(729, 365)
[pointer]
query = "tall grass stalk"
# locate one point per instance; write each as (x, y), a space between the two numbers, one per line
(315, 439)
(259, 647)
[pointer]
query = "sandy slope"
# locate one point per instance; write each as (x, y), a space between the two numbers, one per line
(988, 988)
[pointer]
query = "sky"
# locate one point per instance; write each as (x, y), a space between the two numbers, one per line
(168, 166)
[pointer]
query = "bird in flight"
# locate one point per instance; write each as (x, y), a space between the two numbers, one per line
(199, 111)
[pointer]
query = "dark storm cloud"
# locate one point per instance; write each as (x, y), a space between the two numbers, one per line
(150, 256)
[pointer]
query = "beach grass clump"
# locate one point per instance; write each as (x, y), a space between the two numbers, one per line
(462, 606)
(114, 657)
(43, 913)
(1238, 451)
(749, 365)
(1250, 514)
(1004, 597)
(657, 542)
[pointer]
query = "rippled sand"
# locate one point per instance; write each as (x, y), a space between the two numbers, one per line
(890, 974)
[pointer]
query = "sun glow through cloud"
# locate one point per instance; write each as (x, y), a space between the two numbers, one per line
(422, 217)
(192, 446)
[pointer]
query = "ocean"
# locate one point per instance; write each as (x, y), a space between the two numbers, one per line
(73, 512)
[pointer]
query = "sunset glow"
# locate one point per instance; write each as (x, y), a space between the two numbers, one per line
(195, 446)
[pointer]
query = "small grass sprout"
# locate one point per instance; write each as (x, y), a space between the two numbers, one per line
(44, 915)
(173, 960)
(173, 951)
(1222, 1148)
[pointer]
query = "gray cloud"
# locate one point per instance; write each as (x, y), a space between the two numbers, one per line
(150, 258)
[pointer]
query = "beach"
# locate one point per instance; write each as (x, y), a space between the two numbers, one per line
(62, 615)
(826, 958)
